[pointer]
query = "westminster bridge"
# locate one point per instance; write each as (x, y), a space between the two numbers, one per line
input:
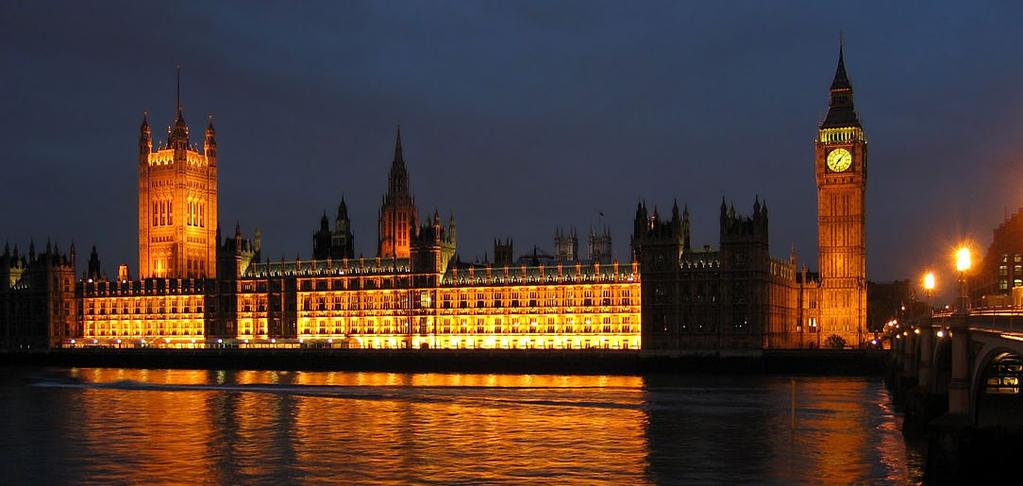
(972, 357)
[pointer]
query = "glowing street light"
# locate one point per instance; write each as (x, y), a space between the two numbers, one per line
(929, 280)
(963, 259)
(963, 263)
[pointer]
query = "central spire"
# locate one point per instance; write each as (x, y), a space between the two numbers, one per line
(397, 147)
(397, 183)
(178, 136)
(179, 91)
(841, 111)
(841, 80)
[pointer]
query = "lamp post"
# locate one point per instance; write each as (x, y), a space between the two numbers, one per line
(925, 373)
(959, 386)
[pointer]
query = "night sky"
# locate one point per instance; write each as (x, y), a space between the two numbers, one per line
(518, 116)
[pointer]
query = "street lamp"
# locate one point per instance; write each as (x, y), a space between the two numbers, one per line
(959, 385)
(963, 262)
(929, 282)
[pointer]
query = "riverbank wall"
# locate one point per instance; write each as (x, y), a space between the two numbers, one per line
(789, 362)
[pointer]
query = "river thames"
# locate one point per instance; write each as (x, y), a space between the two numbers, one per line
(101, 425)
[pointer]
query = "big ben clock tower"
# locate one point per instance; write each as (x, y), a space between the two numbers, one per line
(841, 166)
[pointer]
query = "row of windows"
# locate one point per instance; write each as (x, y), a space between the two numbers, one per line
(103, 331)
(1003, 284)
(448, 329)
(134, 307)
(322, 304)
(163, 213)
(196, 214)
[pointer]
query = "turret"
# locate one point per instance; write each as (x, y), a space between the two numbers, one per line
(210, 145)
(342, 223)
(322, 239)
(94, 271)
(503, 252)
(685, 228)
(566, 246)
(640, 227)
(451, 228)
(145, 140)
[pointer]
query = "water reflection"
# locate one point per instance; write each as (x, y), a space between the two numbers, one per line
(157, 426)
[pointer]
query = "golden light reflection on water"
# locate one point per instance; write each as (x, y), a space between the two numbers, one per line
(231, 427)
(364, 427)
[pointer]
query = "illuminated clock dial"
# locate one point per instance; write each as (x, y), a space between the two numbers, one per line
(839, 160)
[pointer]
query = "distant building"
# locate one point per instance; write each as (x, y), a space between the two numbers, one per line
(566, 245)
(38, 308)
(1001, 268)
(337, 243)
(599, 248)
(890, 300)
(504, 252)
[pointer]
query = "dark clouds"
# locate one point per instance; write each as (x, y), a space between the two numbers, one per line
(518, 116)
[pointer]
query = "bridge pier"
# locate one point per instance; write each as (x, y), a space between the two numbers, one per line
(909, 358)
(959, 386)
(925, 366)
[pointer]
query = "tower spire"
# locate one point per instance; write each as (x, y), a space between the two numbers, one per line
(397, 146)
(178, 136)
(841, 80)
(841, 111)
(179, 91)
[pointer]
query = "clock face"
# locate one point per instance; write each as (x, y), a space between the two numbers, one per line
(839, 160)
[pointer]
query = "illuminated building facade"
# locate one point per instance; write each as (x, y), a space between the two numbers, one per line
(168, 312)
(391, 304)
(38, 308)
(1001, 269)
(199, 289)
(841, 169)
(424, 299)
(177, 213)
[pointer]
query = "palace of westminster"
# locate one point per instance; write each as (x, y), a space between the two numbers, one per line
(197, 288)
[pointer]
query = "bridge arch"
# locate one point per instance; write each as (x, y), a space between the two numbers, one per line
(997, 390)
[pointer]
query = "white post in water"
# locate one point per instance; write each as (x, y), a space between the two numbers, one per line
(793, 404)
